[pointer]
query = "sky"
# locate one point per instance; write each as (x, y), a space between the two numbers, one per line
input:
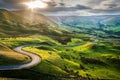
(69, 7)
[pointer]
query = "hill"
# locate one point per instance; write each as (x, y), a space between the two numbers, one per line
(100, 26)
(23, 23)
(9, 57)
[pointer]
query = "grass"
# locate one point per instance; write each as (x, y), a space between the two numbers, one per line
(88, 59)
(83, 60)
(10, 57)
(94, 60)
(35, 39)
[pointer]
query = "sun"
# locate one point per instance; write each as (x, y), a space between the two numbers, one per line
(36, 4)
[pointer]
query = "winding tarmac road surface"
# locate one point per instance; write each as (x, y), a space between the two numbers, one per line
(35, 60)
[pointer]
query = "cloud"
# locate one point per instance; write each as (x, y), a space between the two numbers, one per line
(17, 4)
(108, 4)
(71, 6)
(78, 6)
(106, 11)
(60, 9)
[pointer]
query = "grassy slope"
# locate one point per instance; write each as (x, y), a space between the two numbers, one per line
(102, 26)
(10, 57)
(91, 59)
(7, 44)
(10, 24)
(19, 23)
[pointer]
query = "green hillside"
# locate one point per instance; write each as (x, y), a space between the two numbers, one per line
(89, 60)
(104, 26)
(9, 57)
(81, 48)
(23, 23)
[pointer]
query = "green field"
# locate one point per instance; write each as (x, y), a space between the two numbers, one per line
(10, 57)
(79, 58)
(94, 60)
(83, 48)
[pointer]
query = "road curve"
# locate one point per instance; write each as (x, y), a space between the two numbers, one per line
(35, 60)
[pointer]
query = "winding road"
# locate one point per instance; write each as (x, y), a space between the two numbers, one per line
(35, 60)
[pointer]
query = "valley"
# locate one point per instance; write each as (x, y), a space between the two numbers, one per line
(106, 26)
(70, 48)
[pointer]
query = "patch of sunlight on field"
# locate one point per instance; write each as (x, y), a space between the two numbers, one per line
(44, 54)
(72, 64)
(51, 63)
(110, 56)
(82, 73)
(84, 47)
(35, 39)
(54, 58)
(45, 39)
(67, 60)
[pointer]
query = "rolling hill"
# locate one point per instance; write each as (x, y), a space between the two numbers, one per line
(85, 55)
(22, 23)
(10, 57)
(101, 26)
(112, 21)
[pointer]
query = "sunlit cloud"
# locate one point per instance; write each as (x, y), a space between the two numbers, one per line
(36, 4)
(84, 7)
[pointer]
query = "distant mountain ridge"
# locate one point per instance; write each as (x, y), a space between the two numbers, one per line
(96, 25)
(78, 19)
